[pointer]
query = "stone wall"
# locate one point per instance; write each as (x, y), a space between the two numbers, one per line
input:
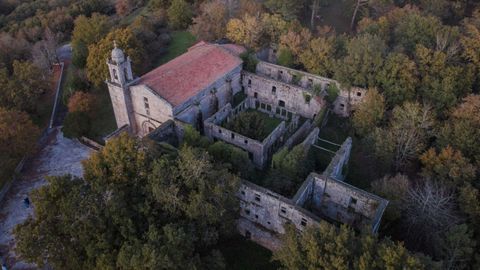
(282, 96)
(222, 90)
(347, 100)
(150, 110)
(337, 167)
(347, 97)
(258, 151)
(292, 76)
(263, 215)
(339, 202)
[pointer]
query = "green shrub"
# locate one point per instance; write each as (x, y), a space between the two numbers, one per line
(76, 124)
(332, 92)
(192, 137)
(249, 61)
(235, 158)
(285, 58)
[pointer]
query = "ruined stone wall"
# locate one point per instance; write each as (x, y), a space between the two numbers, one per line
(282, 96)
(347, 100)
(292, 76)
(258, 151)
(267, 213)
(340, 202)
(336, 168)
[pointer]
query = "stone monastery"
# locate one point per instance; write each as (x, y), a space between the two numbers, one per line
(207, 88)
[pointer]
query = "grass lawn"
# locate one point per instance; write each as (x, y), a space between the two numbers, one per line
(181, 41)
(242, 254)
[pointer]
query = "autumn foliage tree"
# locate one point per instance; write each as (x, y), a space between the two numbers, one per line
(369, 113)
(328, 247)
(17, 138)
(97, 70)
(211, 22)
(81, 102)
(133, 210)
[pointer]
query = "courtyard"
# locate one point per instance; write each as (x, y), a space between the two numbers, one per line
(253, 124)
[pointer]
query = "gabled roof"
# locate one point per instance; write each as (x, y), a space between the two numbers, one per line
(191, 72)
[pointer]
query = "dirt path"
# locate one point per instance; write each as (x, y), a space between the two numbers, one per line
(60, 156)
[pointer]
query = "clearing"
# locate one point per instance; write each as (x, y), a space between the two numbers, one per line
(60, 156)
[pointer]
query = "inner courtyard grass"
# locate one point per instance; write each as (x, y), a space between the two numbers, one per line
(253, 124)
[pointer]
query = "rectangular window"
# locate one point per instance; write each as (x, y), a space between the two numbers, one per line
(353, 201)
(147, 105)
(249, 83)
(262, 105)
(246, 141)
(283, 210)
(269, 107)
(233, 135)
(247, 212)
(303, 222)
(274, 89)
(255, 95)
(281, 103)
(257, 197)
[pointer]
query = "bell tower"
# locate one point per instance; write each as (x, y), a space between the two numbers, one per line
(120, 70)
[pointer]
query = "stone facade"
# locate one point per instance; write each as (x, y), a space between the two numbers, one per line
(143, 109)
(264, 214)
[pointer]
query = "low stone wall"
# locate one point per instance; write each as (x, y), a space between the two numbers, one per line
(258, 151)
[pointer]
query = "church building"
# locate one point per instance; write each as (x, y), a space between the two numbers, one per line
(189, 88)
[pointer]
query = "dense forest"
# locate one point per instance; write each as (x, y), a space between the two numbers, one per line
(415, 136)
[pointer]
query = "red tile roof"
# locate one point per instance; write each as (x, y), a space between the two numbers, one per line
(193, 71)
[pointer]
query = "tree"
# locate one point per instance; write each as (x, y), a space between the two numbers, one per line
(236, 159)
(76, 124)
(81, 102)
(18, 136)
(247, 31)
(441, 83)
(22, 90)
(397, 79)
(448, 167)
(458, 247)
(318, 57)
(285, 58)
(369, 113)
(179, 14)
(394, 189)
(87, 31)
(132, 210)
(462, 129)
(328, 247)
(97, 70)
(249, 124)
(44, 52)
(123, 7)
(289, 9)
(412, 29)
(211, 22)
(364, 59)
(289, 168)
(405, 137)
(429, 212)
